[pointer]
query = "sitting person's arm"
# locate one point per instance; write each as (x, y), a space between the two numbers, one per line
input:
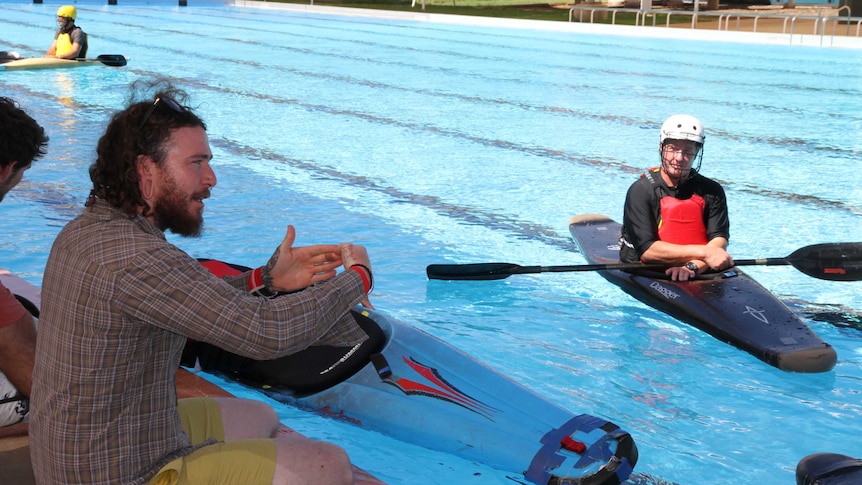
(713, 254)
(72, 54)
(52, 49)
(17, 352)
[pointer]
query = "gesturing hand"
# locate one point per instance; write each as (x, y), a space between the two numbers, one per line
(291, 269)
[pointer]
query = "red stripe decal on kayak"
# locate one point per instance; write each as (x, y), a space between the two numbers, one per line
(438, 388)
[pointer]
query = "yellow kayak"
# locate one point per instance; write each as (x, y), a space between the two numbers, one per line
(30, 63)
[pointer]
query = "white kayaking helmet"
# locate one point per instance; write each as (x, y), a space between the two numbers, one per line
(682, 127)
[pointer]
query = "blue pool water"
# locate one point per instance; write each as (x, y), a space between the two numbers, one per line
(433, 143)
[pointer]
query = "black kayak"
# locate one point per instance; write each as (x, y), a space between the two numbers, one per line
(730, 306)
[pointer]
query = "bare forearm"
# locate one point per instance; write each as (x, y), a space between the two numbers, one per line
(669, 253)
(713, 254)
(72, 54)
(17, 352)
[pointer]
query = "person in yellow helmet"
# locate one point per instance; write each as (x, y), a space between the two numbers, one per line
(70, 42)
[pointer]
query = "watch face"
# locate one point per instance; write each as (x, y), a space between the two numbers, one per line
(691, 266)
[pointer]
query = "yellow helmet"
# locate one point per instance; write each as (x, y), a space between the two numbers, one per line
(67, 11)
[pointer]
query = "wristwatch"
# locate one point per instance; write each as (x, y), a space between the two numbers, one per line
(690, 265)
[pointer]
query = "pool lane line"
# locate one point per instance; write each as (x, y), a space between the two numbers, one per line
(524, 230)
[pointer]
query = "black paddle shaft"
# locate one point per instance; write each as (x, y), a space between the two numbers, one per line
(499, 271)
(829, 261)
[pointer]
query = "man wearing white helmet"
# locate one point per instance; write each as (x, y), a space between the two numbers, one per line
(673, 214)
(70, 42)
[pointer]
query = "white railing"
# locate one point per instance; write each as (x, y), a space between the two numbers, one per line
(819, 21)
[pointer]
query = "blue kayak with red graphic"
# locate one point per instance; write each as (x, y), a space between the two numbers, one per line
(407, 384)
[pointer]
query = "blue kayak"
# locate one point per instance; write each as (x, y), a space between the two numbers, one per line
(407, 384)
(730, 305)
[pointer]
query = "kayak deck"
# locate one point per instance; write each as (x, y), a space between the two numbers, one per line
(730, 306)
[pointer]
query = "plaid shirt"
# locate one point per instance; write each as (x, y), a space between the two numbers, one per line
(118, 302)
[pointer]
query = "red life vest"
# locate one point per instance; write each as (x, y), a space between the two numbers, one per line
(682, 220)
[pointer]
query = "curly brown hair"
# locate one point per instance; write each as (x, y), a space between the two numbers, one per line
(22, 140)
(142, 129)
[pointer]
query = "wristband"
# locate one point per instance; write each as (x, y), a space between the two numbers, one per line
(367, 279)
(256, 286)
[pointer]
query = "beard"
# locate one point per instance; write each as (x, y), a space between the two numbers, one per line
(172, 211)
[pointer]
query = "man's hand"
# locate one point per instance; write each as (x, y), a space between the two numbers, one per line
(353, 254)
(291, 269)
(717, 258)
(680, 273)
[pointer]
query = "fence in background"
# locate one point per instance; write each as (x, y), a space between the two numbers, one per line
(823, 25)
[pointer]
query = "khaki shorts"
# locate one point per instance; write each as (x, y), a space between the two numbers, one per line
(241, 462)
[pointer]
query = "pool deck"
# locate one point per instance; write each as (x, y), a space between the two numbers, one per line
(705, 31)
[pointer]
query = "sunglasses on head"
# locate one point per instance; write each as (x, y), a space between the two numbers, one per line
(170, 103)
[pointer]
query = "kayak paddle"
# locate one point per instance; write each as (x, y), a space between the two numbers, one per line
(829, 261)
(113, 60)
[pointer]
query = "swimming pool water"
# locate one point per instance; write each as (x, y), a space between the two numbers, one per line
(431, 143)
